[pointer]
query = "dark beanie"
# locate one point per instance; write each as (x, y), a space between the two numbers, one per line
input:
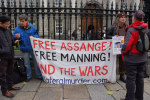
(121, 14)
(4, 18)
(139, 15)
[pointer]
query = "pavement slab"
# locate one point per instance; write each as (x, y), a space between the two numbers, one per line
(98, 92)
(32, 85)
(4, 98)
(146, 80)
(76, 99)
(122, 84)
(44, 85)
(147, 88)
(24, 96)
(113, 87)
(76, 92)
(49, 94)
(146, 96)
(119, 95)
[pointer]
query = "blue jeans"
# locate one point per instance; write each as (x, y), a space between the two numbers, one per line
(26, 57)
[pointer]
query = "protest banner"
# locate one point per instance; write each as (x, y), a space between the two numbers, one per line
(75, 62)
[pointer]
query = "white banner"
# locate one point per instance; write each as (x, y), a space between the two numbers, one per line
(75, 62)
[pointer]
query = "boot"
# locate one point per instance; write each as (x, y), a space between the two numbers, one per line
(122, 78)
(146, 75)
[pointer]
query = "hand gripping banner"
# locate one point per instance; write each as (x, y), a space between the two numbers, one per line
(75, 62)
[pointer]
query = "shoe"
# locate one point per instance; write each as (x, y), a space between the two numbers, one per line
(27, 80)
(14, 88)
(8, 94)
(146, 76)
(40, 78)
(122, 78)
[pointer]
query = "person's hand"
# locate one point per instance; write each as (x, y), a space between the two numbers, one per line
(17, 36)
(31, 36)
(17, 41)
(116, 35)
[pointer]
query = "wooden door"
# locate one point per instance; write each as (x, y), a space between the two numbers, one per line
(87, 20)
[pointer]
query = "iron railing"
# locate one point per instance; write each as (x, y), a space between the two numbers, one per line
(59, 21)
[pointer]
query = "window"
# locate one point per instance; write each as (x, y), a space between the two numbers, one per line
(33, 3)
(59, 26)
(122, 0)
(57, 3)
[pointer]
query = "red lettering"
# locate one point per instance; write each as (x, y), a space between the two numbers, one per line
(83, 47)
(52, 46)
(72, 71)
(76, 47)
(97, 48)
(63, 46)
(61, 70)
(67, 71)
(43, 69)
(40, 44)
(103, 46)
(90, 47)
(82, 72)
(106, 71)
(70, 47)
(47, 45)
(97, 69)
(51, 66)
(90, 71)
(34, 43)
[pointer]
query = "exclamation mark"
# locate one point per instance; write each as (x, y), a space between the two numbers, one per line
(108, 56)
(110, 45)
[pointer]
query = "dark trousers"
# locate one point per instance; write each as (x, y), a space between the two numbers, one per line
(6, 69)
(122, 69)
(134, 81)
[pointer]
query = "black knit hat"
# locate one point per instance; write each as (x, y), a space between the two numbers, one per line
(139, 15)
(4, 18)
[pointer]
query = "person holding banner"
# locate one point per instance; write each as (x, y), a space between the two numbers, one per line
(118, 29)
(134, 59)
(6, 57)
(23, 32)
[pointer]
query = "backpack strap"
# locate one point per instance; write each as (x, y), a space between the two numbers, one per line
(130, 51)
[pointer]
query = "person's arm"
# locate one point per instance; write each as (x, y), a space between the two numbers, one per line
(16, 35)
(35, 33)
(109, 33)
(128, 42)
(3, 50)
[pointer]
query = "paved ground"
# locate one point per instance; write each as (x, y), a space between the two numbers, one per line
(39, 90)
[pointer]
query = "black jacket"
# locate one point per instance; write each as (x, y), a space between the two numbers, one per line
(6, 44)
(111, 32)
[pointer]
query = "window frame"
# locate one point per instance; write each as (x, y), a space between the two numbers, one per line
(57, 23)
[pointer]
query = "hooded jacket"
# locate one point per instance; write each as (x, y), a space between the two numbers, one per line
(25, 44)
(131, 54)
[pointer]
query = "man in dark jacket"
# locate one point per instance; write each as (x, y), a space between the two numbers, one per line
(134, 60)
(6, 57)
(118, 29)
(23, 32)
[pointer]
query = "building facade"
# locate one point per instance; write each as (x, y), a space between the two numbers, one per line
(57, 19)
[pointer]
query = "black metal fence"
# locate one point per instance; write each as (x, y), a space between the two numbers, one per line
(57, 19)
